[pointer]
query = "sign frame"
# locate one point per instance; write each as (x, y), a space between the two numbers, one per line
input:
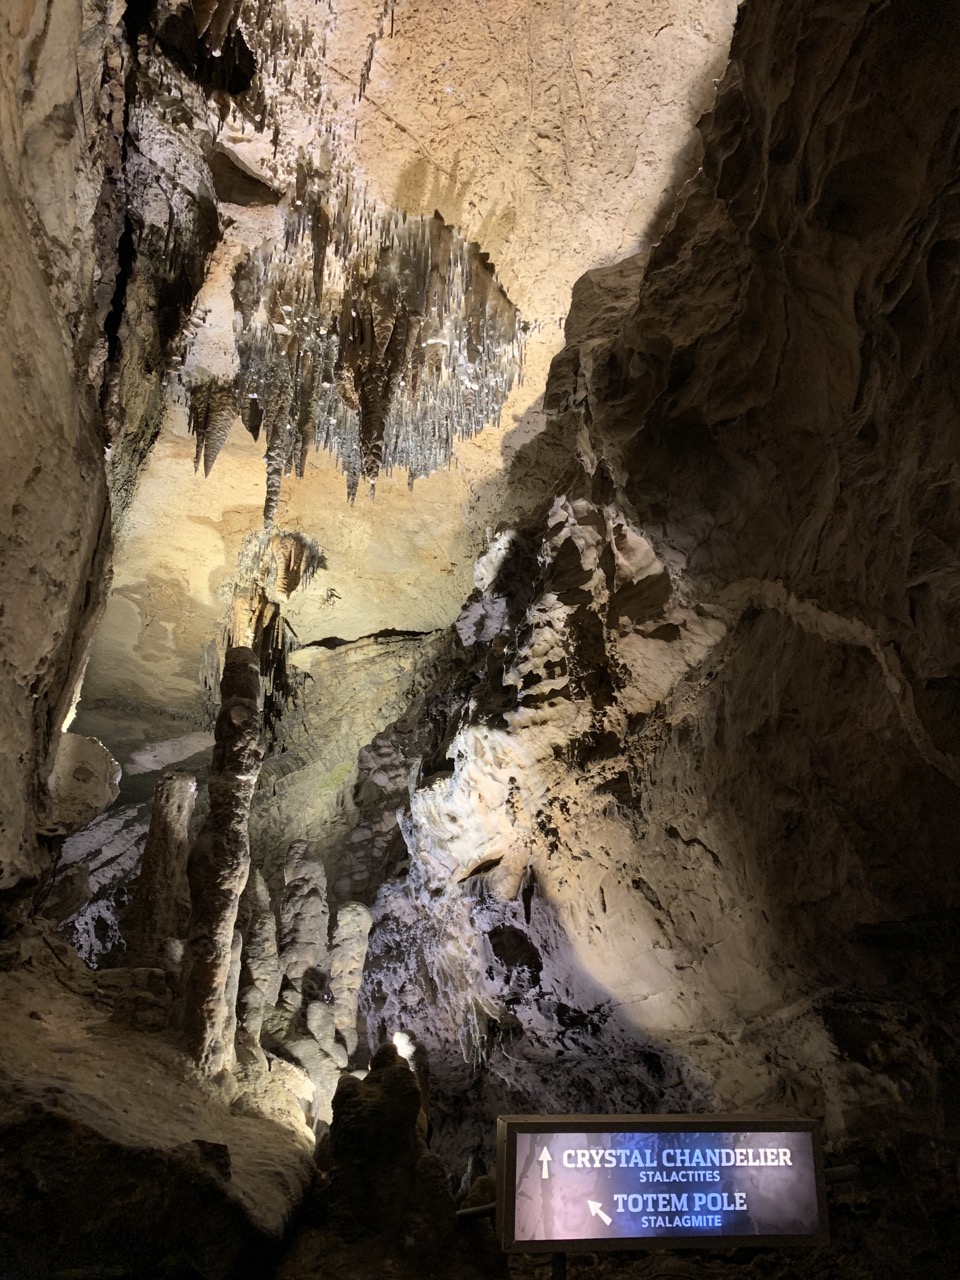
(509, 1126)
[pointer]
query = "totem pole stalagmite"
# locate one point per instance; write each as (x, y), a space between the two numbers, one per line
(218, 867)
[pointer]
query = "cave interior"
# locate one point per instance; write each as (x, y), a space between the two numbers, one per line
(479, 619)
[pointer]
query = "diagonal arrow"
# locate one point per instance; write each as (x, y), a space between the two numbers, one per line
(596, 1208)
(545, 1159)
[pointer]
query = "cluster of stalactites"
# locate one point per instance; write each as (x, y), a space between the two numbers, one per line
(383, 339)
(213, 410)
(214, 19)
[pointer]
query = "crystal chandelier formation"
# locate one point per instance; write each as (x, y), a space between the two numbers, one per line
(380, 337)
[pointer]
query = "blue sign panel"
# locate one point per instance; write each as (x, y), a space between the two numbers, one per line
(629, 1181)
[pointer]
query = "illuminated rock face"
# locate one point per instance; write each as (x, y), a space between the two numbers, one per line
(297, 217)
(618, 764)
(57, 155)
(694, 844)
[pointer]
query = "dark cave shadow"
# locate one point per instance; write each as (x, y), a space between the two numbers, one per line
(591, 1062)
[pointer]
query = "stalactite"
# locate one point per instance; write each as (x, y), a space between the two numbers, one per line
(213, 410)
(279, 433)
(421, 351)
(274, 643)
(456, 345)
(297, 558)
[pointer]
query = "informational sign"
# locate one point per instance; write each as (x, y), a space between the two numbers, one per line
(568, 1183)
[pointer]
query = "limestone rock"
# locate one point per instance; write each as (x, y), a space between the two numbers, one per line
(259, 983)
(114, 1152)
(383, 1192)
(218, 866)
(700, 808)
(654, 806)
(302, 935)
(347, 955)
(82, 783)
(57, 151)
(160, 912)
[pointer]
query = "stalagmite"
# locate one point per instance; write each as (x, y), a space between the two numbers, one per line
(160, 911)
(231, 994)
(220, 861)
(259, 970)
(348, 953)
(303, 916)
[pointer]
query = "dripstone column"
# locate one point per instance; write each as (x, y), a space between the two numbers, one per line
(219, 864)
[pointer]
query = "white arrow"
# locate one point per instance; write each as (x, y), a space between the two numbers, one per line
(545, 1158)
(596, 1208)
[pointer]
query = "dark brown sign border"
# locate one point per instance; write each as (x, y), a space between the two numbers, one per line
(509, 1126)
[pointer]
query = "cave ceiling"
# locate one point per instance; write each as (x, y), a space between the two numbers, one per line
(382, 153)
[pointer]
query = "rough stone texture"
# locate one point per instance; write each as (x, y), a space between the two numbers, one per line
(170, 228)
(496, 120)
(695, 848)
(314, 787)
(260, 975)
(347, 954)
(218, 866)
(109, 852)
(382, 1203)
(115, 1152)
(304, 915)
(653, 808)
(82, 783)
(160, 911)
(312, 1013)
(55, 143)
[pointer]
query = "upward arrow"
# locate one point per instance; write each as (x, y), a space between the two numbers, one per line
(545, 1159)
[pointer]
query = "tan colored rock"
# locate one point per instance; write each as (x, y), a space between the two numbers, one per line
(303, 916)
(553, 164)
(82, 783)
(259, 983)
(119, 1102)
(60, 220)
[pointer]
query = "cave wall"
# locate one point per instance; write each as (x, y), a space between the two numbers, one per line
(59, 139)
(694, 844)
(392, 111)
(666, 820)
(262, 240)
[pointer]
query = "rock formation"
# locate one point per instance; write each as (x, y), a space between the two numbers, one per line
(218, 866)
(160, 912)
(259, 982)
(608, 759)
